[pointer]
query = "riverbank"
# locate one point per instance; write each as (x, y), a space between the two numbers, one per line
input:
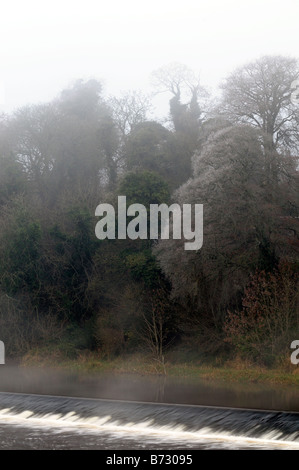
(231, 371)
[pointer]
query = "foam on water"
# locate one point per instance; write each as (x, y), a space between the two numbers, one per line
(192, 422)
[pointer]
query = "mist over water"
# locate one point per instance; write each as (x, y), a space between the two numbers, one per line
(43, 408)
(161, 389)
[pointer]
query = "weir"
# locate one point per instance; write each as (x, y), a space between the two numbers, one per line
(143, 417)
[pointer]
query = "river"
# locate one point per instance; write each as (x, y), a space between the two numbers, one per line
(50, 409)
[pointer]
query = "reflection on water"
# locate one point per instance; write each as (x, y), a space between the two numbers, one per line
(161, 389)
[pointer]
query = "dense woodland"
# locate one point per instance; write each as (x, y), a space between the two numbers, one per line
(63, 289)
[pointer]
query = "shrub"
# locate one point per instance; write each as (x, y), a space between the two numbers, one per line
(22, 327)
(108, 335)
(269, 320)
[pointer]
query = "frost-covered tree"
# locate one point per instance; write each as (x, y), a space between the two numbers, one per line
(244, 227)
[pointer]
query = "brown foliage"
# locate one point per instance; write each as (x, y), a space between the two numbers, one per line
(270, 317)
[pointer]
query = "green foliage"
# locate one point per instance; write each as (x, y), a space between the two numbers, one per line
(145, 146)
(144, 188)
(152, 147)
(67, 264)
(60, 160)
(19, 269)
(143, 267)
(13, 180)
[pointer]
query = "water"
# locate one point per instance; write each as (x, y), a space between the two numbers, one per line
(147, 388)
(50, 422)
(45, 409)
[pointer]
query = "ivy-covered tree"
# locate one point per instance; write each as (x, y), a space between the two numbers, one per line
(187, 103)
(152, 147)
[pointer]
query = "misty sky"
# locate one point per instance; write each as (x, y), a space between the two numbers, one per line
(45, 45)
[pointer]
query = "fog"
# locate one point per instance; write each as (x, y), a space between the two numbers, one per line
(159, 389)
(67, 293)
(48, 45)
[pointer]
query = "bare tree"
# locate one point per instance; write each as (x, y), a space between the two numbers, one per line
(31, 131)
(130, 109)
(259, 93)
(155, 333)
(175, 78)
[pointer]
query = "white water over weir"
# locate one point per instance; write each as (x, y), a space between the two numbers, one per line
(191, 421)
